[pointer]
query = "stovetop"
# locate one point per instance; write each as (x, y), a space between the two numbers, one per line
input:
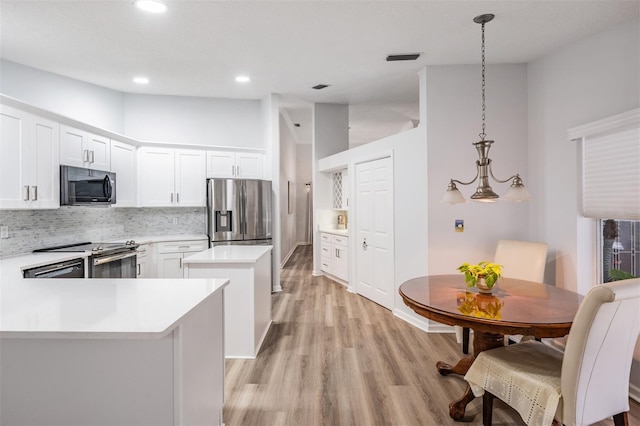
(101, 248)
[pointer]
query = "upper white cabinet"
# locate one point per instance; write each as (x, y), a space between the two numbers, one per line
(123, 164)
(341, 190)
(83, 149)
(29, 161)
(172, 177)
(230, 164)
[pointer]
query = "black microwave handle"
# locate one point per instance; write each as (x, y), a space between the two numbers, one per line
(106, 187)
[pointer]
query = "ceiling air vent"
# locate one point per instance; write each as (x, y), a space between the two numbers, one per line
(320, 86)
(403, 57)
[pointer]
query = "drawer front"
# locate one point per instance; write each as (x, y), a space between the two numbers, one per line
(325, 237)
(182, 246)
(340, 240)
(325, 265)
(325, 250)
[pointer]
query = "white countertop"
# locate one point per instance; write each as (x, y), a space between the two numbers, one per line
(13, 266)
(99, 308)
(343, 232)
(147, 239)
(229, 254)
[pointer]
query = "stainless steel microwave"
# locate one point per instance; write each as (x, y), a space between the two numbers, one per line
(86, 187)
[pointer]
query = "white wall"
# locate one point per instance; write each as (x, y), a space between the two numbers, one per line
(287, 174)
(593, 78)
(411, 213)
(453, 124)
(191, 120)
(588, 80)
(270, 130)
(330, 135)
(303, 176)
(95, 105)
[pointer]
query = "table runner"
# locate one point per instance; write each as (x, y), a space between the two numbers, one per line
(526, 376)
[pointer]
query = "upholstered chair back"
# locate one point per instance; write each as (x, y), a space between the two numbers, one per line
(522, 260)
(597, 359)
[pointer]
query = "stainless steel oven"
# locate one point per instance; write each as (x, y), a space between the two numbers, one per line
(107, 260)
(115, 264)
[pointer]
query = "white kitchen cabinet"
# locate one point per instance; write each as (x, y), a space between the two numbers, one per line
(334, 258)
(123, 164)
(172, 177)
(340, 257)
(170, 255)
(29, 161)
(230, 164)
(340, 195)
(84, 149)
(144, 260)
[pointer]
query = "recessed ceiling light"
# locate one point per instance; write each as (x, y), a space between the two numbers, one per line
(242, 79)
(152, 6)
(141, 80)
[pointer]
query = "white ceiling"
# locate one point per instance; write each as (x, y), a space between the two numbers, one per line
(197, 48)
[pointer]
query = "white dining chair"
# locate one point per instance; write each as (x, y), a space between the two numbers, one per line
(588, 384)
(522, 260)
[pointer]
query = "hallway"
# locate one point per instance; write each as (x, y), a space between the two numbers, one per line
(335, 358)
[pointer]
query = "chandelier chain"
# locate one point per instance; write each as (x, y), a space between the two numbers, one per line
(483, 134)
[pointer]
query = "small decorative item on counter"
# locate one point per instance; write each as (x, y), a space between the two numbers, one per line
(482, 275)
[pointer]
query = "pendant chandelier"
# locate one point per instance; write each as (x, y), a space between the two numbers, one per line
(517, 191)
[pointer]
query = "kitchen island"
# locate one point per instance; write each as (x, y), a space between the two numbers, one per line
(111, 351)
(247, 299)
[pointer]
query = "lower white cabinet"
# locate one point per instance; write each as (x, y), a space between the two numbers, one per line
(170, 255)
(144, 261)
(335, 255)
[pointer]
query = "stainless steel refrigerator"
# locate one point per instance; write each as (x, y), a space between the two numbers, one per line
(238, 211)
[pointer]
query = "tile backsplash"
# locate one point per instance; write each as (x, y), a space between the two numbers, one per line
(33, 229)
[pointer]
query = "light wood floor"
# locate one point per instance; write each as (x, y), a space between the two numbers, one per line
(335, 358)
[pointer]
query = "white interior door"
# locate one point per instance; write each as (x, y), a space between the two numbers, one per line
(374, 231)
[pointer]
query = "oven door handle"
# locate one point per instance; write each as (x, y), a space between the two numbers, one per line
(103, 260)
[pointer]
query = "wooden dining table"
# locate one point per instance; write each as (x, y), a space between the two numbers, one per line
(515, 307)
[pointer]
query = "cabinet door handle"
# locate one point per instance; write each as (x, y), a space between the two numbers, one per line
(177, 197)
(237, 170)
(91, 156)
(85, 155)
(172, 197)
(26, 193)
(364, 244)
(338, 253)
(233, 170)
(138, 266)
(34, 190)
(180, 263)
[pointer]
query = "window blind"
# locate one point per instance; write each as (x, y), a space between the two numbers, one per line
(611, 174)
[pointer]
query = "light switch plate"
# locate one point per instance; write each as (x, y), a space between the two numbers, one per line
(4, 232)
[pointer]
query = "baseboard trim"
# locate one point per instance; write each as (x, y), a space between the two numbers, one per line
(284, 261)
(634, 392)
(422, 324)
(317, 273)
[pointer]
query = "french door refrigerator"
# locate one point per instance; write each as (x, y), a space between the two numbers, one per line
(238, 211)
